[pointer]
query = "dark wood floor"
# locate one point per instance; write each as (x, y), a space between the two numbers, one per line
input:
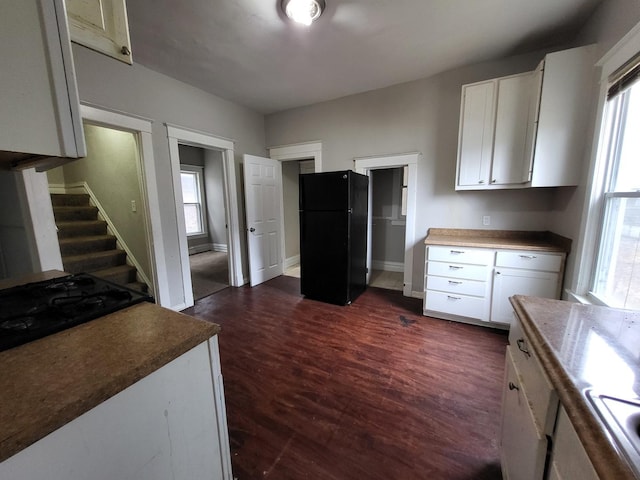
(369, 391)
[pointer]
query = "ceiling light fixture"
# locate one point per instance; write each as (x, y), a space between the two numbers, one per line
(303, 11)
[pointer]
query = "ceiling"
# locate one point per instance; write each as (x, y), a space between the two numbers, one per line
(248, 52)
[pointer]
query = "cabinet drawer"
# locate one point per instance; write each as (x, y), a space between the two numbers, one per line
(461, 255)
(542, 397)
(456, 270)
(463, 305)
(530, 260)
(457, 286)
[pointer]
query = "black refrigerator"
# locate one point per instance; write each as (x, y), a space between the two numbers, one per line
(333, 236)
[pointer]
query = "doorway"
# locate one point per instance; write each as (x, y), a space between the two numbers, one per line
(365, 166)
(296, 159)
(291, 171)
(388, 224)
(222, 149)
(205, 211)
(146, 173)
(108, 179)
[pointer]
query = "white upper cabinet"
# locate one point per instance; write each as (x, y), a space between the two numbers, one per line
(563, 122)
(40, 118)
(527, 130)
(494, 131)
(102, 26)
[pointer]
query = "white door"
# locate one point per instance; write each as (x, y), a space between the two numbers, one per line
(263, 205)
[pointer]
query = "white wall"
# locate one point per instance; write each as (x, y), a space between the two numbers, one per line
(417, 116)
(140, 91)
(291, 207)
(214, 186)
(611, 21)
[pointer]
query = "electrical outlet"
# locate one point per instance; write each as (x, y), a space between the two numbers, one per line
(486, 220)
(133, 206)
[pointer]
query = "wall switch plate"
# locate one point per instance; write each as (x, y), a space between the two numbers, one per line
(133, 206)
(486, 220)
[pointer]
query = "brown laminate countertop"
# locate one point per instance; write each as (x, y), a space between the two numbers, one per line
(508, 239)
(585, 347)
(51, 381)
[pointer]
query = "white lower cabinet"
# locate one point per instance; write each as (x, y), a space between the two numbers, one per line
(476, 283)
(457, 282)
(169, 425)
(568, 458)
(537, 439)
(523, 445)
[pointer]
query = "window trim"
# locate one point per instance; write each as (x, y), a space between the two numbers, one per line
(199, 171)
(583, 269)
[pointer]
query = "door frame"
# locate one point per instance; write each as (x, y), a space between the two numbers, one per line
(364, 165)
(295, 152)
(141, 128)
(184, 136)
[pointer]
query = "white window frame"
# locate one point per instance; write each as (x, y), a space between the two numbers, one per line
(586, 252)
(199, 172)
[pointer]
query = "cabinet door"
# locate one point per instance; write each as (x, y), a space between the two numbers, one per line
(508, 282)
(510, 163)
(563, 122)
(101, 25)
(475, 143)
(40, 111)
(569, 459)
(523, 448)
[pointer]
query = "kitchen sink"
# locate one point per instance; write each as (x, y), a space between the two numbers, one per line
(622, 418)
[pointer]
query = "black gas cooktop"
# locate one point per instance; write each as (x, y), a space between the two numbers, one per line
(35, 310)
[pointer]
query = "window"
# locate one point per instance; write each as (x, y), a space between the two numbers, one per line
(616, 277)
(192, 197)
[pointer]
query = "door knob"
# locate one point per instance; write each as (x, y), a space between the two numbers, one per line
(252, 229)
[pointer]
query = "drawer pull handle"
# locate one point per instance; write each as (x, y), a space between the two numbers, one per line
(522, 348)
(455, 267)
(451, 297)
(528, 257)
(451, 282)
(456, 252)
(513, 386)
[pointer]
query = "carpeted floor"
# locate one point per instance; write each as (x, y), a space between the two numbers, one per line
(209, 273)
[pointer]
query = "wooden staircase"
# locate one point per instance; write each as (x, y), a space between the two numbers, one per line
(85, 244)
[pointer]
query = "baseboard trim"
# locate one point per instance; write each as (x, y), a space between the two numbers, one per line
(419, 295)
(205, 247)
(291, 261)
(387, 266)
(219, 247)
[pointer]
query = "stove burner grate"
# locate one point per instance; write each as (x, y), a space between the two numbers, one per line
(34, 310)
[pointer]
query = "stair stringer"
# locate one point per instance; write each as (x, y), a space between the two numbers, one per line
(83, 187)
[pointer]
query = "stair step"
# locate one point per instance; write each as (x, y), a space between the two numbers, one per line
(85, 244)
(122, 274)
(90, 262)
(81, 228)
(68, 199)
(138, 286)
(83, 212)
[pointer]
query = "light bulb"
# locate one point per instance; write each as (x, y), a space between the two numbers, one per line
(303, 11)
